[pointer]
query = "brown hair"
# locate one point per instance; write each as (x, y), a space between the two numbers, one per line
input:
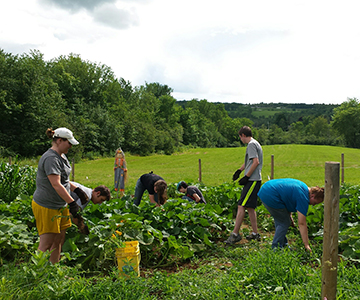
(161, 189)
(318, 193)
(104, 191)
(50, 134)
(246, 130)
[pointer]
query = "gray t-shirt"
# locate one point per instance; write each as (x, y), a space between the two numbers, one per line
(191, 190)
(87, 191)
(253, 150)
(51, 163)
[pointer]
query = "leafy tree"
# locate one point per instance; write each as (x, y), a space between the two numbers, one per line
(30, 103)
(346, 121)
(139, 137)
(282, 121)
(230, 129)
(94, 98)
(262, 135)
(158, 89)
(276, 135)
(169, 131)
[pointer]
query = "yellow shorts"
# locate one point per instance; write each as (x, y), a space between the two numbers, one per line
(50, 220)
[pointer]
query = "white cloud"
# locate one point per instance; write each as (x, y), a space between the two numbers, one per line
(230, 50)
(112, 16)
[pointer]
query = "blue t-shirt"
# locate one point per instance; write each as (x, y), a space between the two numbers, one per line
(288, 193)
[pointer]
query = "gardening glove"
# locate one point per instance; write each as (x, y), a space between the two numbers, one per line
(236, 174)
(244, 180)
(79, 222)
(74, 209)
(83, 197)
(85, 230)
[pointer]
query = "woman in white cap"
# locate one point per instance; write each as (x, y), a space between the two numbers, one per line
(52, 201)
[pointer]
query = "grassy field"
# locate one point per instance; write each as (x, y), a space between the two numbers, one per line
(303, 162)
(269, 113)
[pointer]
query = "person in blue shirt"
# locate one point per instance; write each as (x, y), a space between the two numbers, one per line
(281, 197)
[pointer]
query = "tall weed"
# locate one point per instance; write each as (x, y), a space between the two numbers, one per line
(16, 180)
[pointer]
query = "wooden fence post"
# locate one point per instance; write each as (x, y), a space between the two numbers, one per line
(73, 170)
(199, 170)
(272, 167)
(331, 228)
(10, 160)
(342, 168)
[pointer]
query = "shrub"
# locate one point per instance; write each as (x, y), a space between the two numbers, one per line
(16, 180)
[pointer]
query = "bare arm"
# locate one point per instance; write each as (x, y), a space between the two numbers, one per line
(303, 230)
(152, 200)
(197, 198)
(72, 186)
(59, 188)
(292, 221)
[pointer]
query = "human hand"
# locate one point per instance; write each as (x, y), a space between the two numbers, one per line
(307, 248)
(244, 180)
(292, 223)
(74, 209)
(82, 195)
(236, 174)
(84, 229)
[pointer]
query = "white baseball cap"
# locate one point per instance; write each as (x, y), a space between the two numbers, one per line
(65, 133)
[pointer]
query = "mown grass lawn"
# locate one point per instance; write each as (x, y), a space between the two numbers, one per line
(303, 162)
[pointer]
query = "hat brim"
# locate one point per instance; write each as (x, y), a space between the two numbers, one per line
(73, 141)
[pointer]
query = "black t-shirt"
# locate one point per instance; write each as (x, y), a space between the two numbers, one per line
(191, 190)
(148, 180)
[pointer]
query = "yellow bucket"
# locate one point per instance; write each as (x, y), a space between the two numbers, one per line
(128, 259)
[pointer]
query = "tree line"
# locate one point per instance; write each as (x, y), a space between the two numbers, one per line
(106, 112)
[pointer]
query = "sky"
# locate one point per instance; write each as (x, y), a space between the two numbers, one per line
(278, 51)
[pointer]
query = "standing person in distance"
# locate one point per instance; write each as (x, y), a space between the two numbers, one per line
(120, 171)
(52, 201)
(251, 182)
(281, 197)
(155, 185)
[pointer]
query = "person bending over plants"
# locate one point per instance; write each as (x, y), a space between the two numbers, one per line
(155, 185)
(83, 196)
(281, 197)
(52, 201)
(97, 195)
(192, 193)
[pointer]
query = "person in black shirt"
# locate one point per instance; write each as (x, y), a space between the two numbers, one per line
(155, 185)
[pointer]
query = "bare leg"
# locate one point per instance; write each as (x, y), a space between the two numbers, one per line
(52, 242)
(253, 220)
(239, 218)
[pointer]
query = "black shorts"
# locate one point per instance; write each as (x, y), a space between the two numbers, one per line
(249, 194)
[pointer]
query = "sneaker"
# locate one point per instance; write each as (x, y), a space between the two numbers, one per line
(233, 238)
(253, 236)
